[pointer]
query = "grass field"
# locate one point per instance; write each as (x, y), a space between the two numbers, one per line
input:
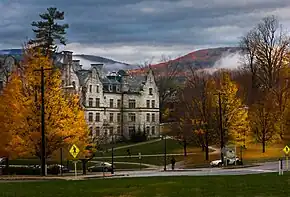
(207, 186)
(172, 146)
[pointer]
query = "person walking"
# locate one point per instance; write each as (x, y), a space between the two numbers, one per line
(173, 163)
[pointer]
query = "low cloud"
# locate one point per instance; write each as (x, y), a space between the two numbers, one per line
(228, 61)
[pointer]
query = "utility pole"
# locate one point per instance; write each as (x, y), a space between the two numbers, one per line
(43, 146)
(221, 127)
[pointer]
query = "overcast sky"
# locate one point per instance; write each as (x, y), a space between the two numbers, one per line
(135, 31)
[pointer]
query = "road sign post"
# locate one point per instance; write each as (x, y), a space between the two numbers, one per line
(286, 150)
(74, 151)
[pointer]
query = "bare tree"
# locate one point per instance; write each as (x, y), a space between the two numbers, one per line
(265, 48)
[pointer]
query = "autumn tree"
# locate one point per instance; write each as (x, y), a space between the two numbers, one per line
(12, 111)
(48, 32)
(200, 90)
(264, 124)
(234, 112)
(65, 121)
(265, 49)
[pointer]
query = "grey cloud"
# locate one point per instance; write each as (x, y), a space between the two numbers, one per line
(164, 22)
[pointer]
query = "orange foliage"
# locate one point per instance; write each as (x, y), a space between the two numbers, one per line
(64, 119)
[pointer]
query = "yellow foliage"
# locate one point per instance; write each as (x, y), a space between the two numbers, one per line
(64, 119)
(234, 113)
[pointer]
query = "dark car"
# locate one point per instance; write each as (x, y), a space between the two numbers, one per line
(101, 167)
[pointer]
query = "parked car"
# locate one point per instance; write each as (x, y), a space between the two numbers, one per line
(229, 162)
(58, 166)
(101, 167)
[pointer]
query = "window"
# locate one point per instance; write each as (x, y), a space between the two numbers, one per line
(119, 130)
(118, 103)
(74, 84)
(97, 102)
(132, 103)
(131, 130)
(153, 117)
(111, 117)
(148, 103)
(90, 102)
(62, 82)
(110, 88)
(119, 117)
(97, 131)
(132, 117)
(111, 130)
(97, 89)
(111, 103)
(148, 117)
(91, 131)
(153, 130)
(153, 103)
(147, 130)
(150, 91)
(90, 117)
(1, 85)
(90, 88)
(97, 117)
(118, 88)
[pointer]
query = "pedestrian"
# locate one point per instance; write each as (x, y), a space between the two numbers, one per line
(172, 163)
(128, 152)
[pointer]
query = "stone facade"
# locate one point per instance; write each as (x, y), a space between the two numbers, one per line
(115, 104)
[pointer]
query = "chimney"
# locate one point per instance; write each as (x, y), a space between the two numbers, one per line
(67, 66)
(67, 57)
(76, 65)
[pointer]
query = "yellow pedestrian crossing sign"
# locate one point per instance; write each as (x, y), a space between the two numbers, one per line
(74, 151)
(286, 150)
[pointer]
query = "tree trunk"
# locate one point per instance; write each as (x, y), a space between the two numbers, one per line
(184, 148)
(264, 142)
(206, 146)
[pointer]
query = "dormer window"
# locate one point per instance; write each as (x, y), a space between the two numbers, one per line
(91, 88)
(150, 91)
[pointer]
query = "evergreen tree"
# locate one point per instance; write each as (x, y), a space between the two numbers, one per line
(48, 31)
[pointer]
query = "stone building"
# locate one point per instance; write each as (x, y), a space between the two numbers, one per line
(116, 104)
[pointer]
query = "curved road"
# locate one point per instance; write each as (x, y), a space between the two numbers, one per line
(262, 168)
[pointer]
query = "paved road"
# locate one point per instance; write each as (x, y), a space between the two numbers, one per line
(263, 168)
(137, 156)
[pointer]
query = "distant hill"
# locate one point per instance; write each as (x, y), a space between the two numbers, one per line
(201, 59)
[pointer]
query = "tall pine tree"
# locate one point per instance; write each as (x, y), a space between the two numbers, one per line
(48, 31)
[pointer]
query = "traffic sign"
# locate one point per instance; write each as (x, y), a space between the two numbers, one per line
(74, 151)
(286, 150)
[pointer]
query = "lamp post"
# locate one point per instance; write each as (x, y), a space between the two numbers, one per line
(112, 172)
(43, 146)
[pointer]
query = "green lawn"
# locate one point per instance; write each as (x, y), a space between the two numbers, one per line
(207, 186)
(172, 146)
